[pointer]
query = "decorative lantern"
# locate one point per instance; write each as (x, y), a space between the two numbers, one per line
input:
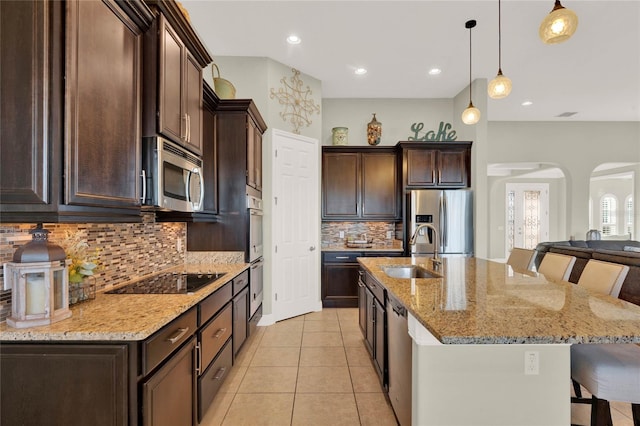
(374, 131)
(39, 279)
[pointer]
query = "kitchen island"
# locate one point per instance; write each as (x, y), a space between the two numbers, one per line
(491, 346)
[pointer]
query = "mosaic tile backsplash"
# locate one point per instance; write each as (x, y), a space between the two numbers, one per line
(381, 232)
(126, 251)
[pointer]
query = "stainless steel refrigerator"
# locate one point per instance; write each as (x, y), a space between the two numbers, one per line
(450, 211)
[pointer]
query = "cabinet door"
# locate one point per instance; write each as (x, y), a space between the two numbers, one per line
(257, 152)
(362, 305)
(193, 104)
(340, 185)
(30, 131)
(371, 322)
(251, 154)
(63, 384)
(104, 51)
(171, 120)
(379, 352)
(168, 397)
(380, 189)
(452, 171)
(240, 320)
(340, 285)
(421, 167)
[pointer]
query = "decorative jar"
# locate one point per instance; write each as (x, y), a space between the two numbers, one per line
(340, 135)
(374, 131)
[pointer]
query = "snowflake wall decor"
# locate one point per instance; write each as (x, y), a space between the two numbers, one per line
(298, 106)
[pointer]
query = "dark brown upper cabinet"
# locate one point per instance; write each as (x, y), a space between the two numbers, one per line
(436, 165)
(71, 115)
(174, 59)
(360, 184)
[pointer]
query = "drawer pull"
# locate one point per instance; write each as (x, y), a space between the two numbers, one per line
(219, 333)
(220, 374)
(181, 332)
(342, 257)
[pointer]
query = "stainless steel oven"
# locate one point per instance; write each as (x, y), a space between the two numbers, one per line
(255, 286)
(254, 206)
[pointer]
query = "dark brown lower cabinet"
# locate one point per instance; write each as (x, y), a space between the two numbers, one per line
(51, 384)
(168, 397)
(213, 377)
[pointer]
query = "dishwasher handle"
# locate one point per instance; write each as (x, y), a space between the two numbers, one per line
(398, 309)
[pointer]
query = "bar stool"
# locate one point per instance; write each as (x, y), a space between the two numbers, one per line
(521, 259)
(556, 267)
(610, 372)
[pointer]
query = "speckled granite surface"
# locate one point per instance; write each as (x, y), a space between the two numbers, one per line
(479, 301)
(124, 317)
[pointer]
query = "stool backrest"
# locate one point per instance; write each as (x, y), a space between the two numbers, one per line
(521, 259)
(603, 277)
(556, 267)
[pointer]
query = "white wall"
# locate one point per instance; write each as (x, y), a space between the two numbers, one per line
(576, 147)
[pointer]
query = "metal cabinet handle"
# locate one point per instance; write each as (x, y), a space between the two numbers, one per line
(198, 358)
(220, 374)
(143, 175)
(181, 332)
(219, 333)
(183, 134)
(342, 257)
(188, 128)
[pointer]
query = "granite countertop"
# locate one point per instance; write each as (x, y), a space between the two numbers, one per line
(479, 301)
(124, 317)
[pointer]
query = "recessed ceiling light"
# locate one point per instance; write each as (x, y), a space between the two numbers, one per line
(527, 103)
(360, 71)
(293, 39)
(435, 71)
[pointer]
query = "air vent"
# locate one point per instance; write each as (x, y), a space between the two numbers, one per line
(567, 114)
(183, 154)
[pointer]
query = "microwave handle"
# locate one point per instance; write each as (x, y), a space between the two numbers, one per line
(196, 207)
(143, 175)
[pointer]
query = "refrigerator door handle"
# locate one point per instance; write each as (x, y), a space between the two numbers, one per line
(443, 222)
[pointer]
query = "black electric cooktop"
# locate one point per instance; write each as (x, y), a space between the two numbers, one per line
(169, 283)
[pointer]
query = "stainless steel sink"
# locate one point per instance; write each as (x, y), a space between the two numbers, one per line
(408, 271)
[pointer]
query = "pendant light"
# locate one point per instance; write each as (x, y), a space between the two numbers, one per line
(558, 25)
(500, 86)
(471, 115)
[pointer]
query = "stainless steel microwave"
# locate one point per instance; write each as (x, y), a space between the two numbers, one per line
(172, 176)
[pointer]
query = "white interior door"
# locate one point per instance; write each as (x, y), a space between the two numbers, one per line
(296, 225)
(527, 215)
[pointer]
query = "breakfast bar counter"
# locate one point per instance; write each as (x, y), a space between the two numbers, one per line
(491, 346)
(479, 301)
(124, 317)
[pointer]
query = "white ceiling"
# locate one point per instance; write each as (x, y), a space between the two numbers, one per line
(596, 73)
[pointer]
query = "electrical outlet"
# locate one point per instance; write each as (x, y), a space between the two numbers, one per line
(179, 245)
(389, 235)
(341, 234)
(531, 363)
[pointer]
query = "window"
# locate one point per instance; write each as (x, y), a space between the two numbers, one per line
(628, 207)
(608, 213)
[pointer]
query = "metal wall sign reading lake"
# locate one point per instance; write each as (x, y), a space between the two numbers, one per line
(168, 283)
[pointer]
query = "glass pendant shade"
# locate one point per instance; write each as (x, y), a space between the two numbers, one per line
(471, 115)
(499, 87)
(558, 25)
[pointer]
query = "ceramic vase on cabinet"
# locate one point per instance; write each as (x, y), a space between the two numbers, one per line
(374, 131)
(340, 135)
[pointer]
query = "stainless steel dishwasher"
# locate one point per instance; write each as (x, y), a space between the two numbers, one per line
(399, 357)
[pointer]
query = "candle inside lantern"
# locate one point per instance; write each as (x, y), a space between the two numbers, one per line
(35, 294)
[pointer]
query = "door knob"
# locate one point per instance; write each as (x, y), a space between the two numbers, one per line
(312, 248)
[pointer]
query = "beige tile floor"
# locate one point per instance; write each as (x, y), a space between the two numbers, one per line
(315, 370)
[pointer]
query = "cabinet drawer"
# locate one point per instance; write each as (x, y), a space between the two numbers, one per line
(240, 282)
(215, 334)
(209, 383)
(341, 257)
(375, 287)
(156, 348)
(213, 303)
(383, 254)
